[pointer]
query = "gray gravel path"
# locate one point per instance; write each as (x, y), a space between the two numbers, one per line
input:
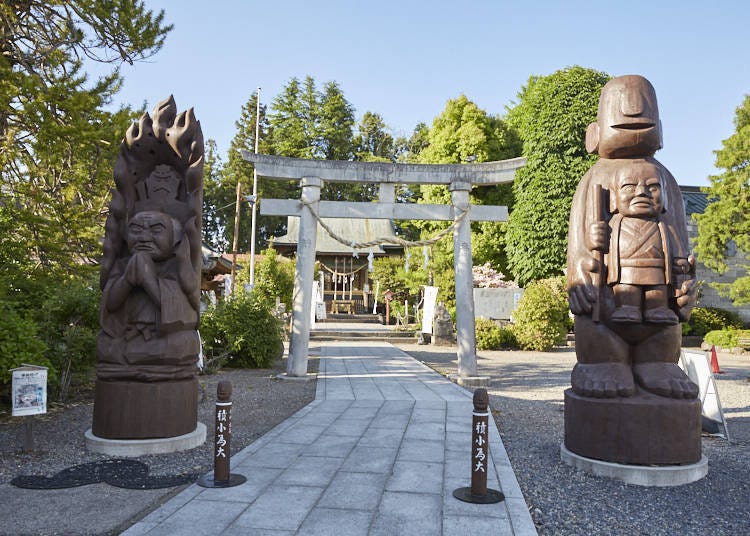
(260, 402)
(527, 401)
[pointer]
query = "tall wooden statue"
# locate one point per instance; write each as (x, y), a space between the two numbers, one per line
(148, 346)
(631, 280)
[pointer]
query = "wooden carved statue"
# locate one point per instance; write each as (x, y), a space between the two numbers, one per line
(631, 280)
(148, 346)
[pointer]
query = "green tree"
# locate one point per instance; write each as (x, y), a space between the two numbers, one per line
(551, 118)
(463, 132)
(336, 124)
(216, 200)
(56, 140)
(307, 123)
(373, 142)
(727, 217)
(295, 120)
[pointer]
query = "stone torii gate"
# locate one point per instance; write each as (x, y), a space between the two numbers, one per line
(458, 177)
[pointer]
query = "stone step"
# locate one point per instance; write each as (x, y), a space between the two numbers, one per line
(333, 335)
(332, 318)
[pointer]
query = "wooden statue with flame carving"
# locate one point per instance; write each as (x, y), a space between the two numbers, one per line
(148, 346)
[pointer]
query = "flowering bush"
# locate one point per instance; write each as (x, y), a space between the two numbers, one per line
(485, 276)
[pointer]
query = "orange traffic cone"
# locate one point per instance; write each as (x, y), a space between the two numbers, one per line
(715, 362)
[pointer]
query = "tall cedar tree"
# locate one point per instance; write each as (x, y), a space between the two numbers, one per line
(727, 218)
(551, 119)
(238, 169)
(57, 143)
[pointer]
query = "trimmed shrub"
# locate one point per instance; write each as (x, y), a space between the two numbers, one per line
(274, 276)
(726, 338)
(541, 320)
(491, 336)
(242, 332)
(705, 319)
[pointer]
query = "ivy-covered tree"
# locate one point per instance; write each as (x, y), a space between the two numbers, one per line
(551, 118)
(727, 217)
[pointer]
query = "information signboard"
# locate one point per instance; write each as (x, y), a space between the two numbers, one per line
(29, 390)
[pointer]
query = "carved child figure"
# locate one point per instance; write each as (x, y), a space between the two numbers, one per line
(639, 254)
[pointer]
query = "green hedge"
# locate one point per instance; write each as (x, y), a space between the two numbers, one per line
(705, 319)
(726, 338)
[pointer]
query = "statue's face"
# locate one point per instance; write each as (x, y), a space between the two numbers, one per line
(151, 232)
(628, 118)
(163, 182)
(639, 191)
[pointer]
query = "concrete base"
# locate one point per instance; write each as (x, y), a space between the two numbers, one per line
(639, 475)
(470, 381)
(130, 448)
(306, 378)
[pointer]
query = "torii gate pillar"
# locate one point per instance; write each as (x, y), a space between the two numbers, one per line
(462, 262)
(303, 279)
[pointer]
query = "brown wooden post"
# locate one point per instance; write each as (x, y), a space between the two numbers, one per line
(478, 492)
(222, 478)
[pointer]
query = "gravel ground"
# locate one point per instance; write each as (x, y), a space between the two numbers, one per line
(260, 402)
(526, 395)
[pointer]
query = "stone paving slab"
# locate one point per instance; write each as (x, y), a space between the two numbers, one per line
(379, 452)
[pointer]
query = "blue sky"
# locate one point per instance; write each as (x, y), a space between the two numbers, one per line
(405, 59)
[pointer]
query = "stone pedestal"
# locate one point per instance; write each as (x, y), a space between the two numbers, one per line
(145, 410)
(644, 429)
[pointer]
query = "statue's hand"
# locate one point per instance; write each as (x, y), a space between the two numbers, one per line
(140, 270)
(582, 292)
(596, 239)
(687, 296)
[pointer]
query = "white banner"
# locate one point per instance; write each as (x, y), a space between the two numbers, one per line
(29, 389)
(430, 299)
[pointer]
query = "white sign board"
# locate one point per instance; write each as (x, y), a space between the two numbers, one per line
(696, 366)
(29, 390)
(430, 299)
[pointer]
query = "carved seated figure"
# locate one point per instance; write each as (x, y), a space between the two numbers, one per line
(148, 320)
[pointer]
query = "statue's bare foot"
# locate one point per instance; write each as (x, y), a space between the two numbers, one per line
(602, 380)
(665, 379)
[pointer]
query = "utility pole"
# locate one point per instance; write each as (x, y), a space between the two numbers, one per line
(235, 241)
(255, 194)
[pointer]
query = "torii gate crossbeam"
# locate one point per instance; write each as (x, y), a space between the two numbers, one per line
(459, 177)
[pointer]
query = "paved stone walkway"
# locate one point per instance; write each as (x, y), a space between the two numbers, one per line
(379, 452)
